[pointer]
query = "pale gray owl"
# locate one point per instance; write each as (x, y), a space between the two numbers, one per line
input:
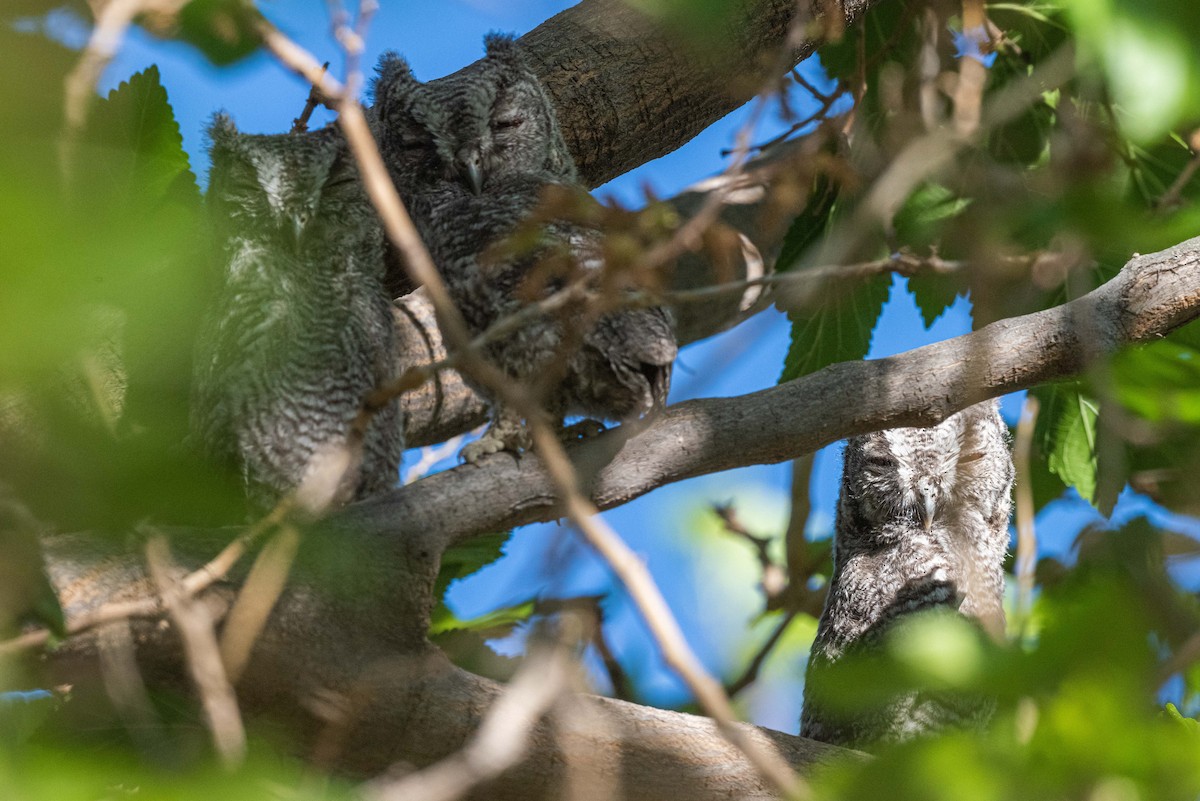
(922, 523)
(301, 330)
(472, 154)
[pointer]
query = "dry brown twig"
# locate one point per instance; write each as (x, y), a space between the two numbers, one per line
(194, 624)
(774, 580)
(193, 584)
(502, 739)
(1026, 557)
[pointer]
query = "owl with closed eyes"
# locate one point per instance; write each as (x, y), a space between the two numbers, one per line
(472, 154)
(922, 524)
(301, 329)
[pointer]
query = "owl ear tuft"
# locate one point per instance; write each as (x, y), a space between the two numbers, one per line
(222, 132)
(393, 74)
(503, 48)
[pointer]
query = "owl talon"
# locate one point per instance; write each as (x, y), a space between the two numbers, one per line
(507, 433)
(584, 429)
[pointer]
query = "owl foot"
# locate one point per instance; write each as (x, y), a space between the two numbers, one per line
(584, 429)
(506, 433)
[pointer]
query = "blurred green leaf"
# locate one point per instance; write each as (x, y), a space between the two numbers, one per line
(224, 30)
(1147, 56)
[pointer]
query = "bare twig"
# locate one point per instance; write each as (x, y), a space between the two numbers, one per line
(1026, 561)
(796, 541)
(261, 590)
(972, 74)
(774, 579)
(501, 740)
(431, 455)
(196, 582)
(300, 124)
(1173, 196)
(750, 674)
(195, 627)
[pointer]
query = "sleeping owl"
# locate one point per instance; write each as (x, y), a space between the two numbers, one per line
(922, 524)
(301, 329)
(472, 155)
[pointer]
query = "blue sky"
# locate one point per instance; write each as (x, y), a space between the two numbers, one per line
(708, 578)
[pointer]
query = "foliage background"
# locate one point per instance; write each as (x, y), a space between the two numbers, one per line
(1081, 683)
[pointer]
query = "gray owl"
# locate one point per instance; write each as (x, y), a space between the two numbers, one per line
(472, 155)
(922, 524)
(301, 330)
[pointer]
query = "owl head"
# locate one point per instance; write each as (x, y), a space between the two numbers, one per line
(919, 476)
(480, 126)
(285, 186)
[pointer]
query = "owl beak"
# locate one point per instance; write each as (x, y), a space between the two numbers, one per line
(927, 510)
(470, 167)
(297, 230)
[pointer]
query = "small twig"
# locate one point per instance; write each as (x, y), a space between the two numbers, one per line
(750, 674)
(972, 74)
(774, 580)
(430, 456)
(300, 124)
(817, 116)
(195, 583)
(259, 593)
(797, 546)
(195, 627)
(501, 741)
(1026, 559)
(1174, 195)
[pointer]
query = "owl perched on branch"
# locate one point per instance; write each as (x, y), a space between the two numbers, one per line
(922, 524)
(473, 154)
(301, 330)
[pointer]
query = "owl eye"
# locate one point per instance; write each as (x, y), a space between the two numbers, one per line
(973, 456)
(880, 462)
(508, 123)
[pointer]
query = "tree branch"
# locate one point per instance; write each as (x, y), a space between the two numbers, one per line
(587, 54)
(1151, 296)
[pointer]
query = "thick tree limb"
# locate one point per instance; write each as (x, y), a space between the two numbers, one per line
(1151, 296)
(628, 91)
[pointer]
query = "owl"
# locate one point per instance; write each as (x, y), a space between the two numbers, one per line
(472, 154)
(922, 524)
(301, 329)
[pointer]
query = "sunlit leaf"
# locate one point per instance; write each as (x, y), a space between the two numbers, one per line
(1066, 432)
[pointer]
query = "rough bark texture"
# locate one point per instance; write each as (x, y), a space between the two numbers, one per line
(626, 90)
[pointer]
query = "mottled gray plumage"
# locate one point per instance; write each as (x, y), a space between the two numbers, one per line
(922, 524)
(472, 154)
(302, 328)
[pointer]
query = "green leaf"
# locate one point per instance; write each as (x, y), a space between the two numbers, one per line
(810, 224)
(935, 292)
(461, 561)
(833, 322)
(919, 225)
(224, 30)
(497, 623)
(137, 126)
(1148, 57)
(1066, 434)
